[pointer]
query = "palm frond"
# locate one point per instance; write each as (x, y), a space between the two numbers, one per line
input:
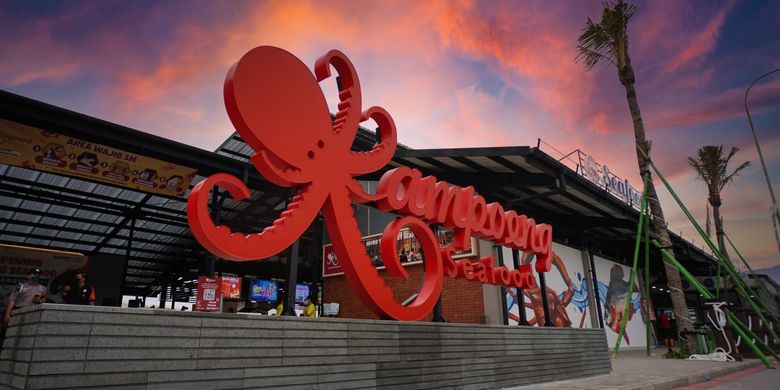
(711, 167)
(607, 39)
(734, 174)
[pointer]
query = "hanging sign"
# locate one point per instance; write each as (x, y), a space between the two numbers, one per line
(209, 297)
(278, 108)
(33, 148)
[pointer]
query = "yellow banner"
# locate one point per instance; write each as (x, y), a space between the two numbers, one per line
(33, 148)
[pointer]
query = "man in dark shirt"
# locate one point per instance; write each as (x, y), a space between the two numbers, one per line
(82, 293)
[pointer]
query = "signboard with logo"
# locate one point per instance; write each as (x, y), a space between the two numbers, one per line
(231, 287)
(209, 297)
(603, 177)
(33, 148)
(276, 105)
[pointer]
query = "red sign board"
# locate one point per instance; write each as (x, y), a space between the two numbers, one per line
(209, 295)
(231, 287)
(278, 108)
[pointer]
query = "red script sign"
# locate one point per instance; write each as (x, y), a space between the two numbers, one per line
(277, 106)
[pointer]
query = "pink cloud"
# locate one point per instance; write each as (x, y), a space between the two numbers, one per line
(702, 43)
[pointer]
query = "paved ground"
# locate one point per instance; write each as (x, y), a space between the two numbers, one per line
(634, 370)
(758, 378)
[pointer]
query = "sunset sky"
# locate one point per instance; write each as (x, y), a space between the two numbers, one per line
(452, 74)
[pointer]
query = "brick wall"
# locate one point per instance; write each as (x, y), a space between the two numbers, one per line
(461, 300)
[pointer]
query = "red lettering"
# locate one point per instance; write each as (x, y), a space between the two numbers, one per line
(479, 216)
(465, 269)
(495, 221)
(487, 265)
(450, 268)
(505, 277)
(542, 246)
(524, 277)
(405, 191)
(392, 185)
(512, 229)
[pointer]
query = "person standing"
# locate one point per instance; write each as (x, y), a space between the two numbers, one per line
(280, 306)
(27, 293)
(84, 293)
(667, 330)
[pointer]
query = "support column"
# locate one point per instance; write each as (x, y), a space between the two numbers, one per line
(210, 260)
(590, 288)
(595, 288)
(520, 297)
(545, 304)
(292, 280)
(163, 295)
(500, 256)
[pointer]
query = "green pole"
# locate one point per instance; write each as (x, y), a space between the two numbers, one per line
(703, 291)
(719, 256)
(753, 336)
(755, 277)
(648, 302)
(631, 280)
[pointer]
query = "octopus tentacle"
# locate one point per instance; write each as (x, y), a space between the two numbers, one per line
(358, 195)
(373, 160)
(222, 242)
(282, 176)
(350, 98)
(360, 272)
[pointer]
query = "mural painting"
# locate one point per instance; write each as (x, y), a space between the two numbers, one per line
(566, 291)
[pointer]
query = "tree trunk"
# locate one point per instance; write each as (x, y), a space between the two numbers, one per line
(719, 230)
(626, 75)
(715, 203)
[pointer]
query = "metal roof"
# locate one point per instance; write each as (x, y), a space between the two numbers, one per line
(48, 210)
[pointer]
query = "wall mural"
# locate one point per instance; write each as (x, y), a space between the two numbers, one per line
(567, 295)
(612, 295)
(566, 291)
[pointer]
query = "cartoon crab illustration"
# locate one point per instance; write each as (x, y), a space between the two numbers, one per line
(278, 108)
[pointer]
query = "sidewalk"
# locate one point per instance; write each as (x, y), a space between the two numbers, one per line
(633, 370)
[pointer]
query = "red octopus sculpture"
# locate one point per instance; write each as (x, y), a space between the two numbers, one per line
(278, 108)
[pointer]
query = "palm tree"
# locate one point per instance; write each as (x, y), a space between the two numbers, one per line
(711, 167)
(608, 40)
